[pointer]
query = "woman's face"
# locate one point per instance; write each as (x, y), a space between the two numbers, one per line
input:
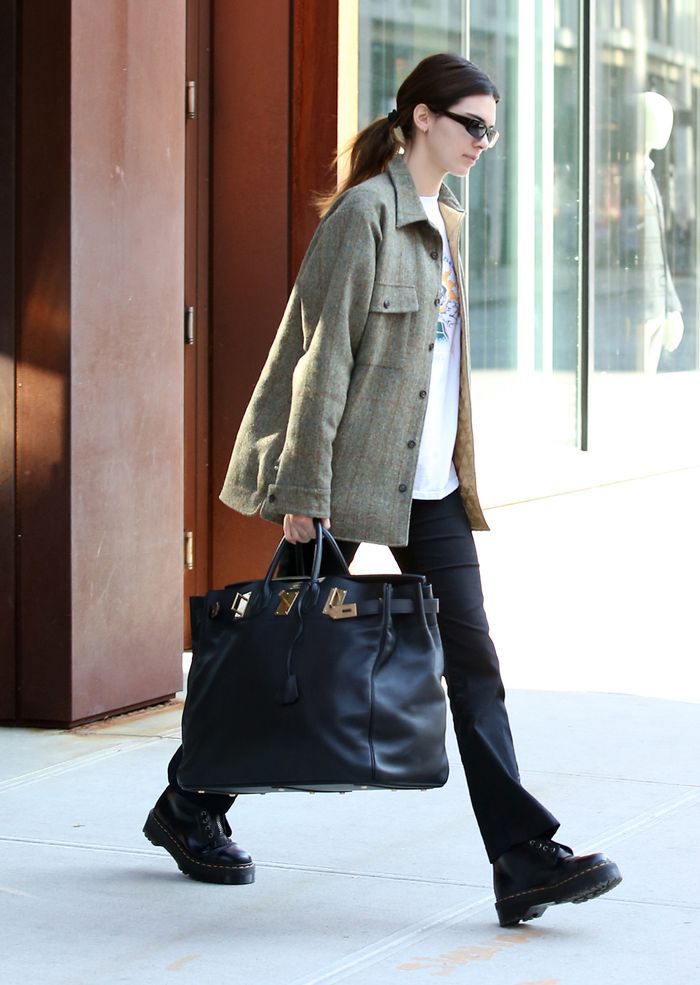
(452, 148)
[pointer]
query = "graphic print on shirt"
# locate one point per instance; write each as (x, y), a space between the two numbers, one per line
(449, 301)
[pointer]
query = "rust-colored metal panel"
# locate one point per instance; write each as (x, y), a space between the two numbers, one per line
(100, 426)
(43, 367)
(249, 243)
(8, 61)
(314, 130)
(127, 186)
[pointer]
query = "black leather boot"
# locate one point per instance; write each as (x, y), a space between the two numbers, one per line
(199, 840)
(539, 873)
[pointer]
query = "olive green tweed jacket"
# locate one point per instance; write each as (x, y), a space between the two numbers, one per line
(334, 425)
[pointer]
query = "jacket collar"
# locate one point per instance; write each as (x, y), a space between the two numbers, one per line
(408, 205)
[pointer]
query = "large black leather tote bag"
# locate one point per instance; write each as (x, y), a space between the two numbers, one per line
(316, 683)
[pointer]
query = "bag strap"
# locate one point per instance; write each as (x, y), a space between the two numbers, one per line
(372, 607)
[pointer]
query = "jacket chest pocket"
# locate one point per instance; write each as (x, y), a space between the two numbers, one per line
(386, 340)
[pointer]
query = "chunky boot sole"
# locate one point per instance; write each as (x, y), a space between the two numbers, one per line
(531, 903)
(230, 875)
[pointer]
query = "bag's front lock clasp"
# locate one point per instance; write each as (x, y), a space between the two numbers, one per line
(335, 607)
(287, 600)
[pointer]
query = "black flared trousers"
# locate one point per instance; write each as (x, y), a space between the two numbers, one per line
(441, 547)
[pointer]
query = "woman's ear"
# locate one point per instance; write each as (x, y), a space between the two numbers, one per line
(421, 117)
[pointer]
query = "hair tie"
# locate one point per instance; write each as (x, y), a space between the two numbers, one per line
(392, 118)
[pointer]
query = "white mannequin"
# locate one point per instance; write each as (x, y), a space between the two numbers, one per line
(663, 331)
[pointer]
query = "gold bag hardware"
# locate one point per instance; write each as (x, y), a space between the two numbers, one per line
(287, 600)
(335, 608)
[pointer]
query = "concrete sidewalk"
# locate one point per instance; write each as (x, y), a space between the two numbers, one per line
(367, 888)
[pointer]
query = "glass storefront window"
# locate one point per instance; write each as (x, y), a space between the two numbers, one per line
(523, 241)
(393, 37)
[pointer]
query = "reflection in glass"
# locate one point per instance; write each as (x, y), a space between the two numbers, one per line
(647, 79)
(393, 37)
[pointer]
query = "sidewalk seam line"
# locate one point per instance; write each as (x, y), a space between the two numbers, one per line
(68, 765)
(283, 866)
(615, 779)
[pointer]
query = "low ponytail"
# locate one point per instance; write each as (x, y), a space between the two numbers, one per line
(369, 152)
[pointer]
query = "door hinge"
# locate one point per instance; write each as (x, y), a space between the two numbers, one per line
(191, 100)
(189, 550)
(189, 325)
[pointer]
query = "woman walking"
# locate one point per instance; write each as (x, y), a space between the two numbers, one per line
(362, 418)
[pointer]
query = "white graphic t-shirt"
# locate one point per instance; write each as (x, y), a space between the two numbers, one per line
(436, 476)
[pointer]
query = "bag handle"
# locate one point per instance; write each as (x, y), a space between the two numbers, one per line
(321, 535)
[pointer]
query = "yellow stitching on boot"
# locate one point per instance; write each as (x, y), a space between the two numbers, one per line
(539, 889)
(206, 865)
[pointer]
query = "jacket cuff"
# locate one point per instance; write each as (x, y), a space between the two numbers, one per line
(304, 501)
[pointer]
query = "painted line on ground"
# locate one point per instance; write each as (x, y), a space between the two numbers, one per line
(413, 934)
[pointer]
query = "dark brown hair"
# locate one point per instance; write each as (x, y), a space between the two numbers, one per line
(439, 81)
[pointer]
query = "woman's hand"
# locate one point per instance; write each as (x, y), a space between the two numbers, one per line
(300, 529)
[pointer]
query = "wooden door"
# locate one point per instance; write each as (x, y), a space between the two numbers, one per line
(196, 553)
(8, 532)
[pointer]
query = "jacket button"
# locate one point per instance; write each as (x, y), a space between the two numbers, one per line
(431, 347)
(411, 443)
(433, 254)
(436, 302)
(273, 498)
(403, 487)
(387, 304)
(423, 394)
